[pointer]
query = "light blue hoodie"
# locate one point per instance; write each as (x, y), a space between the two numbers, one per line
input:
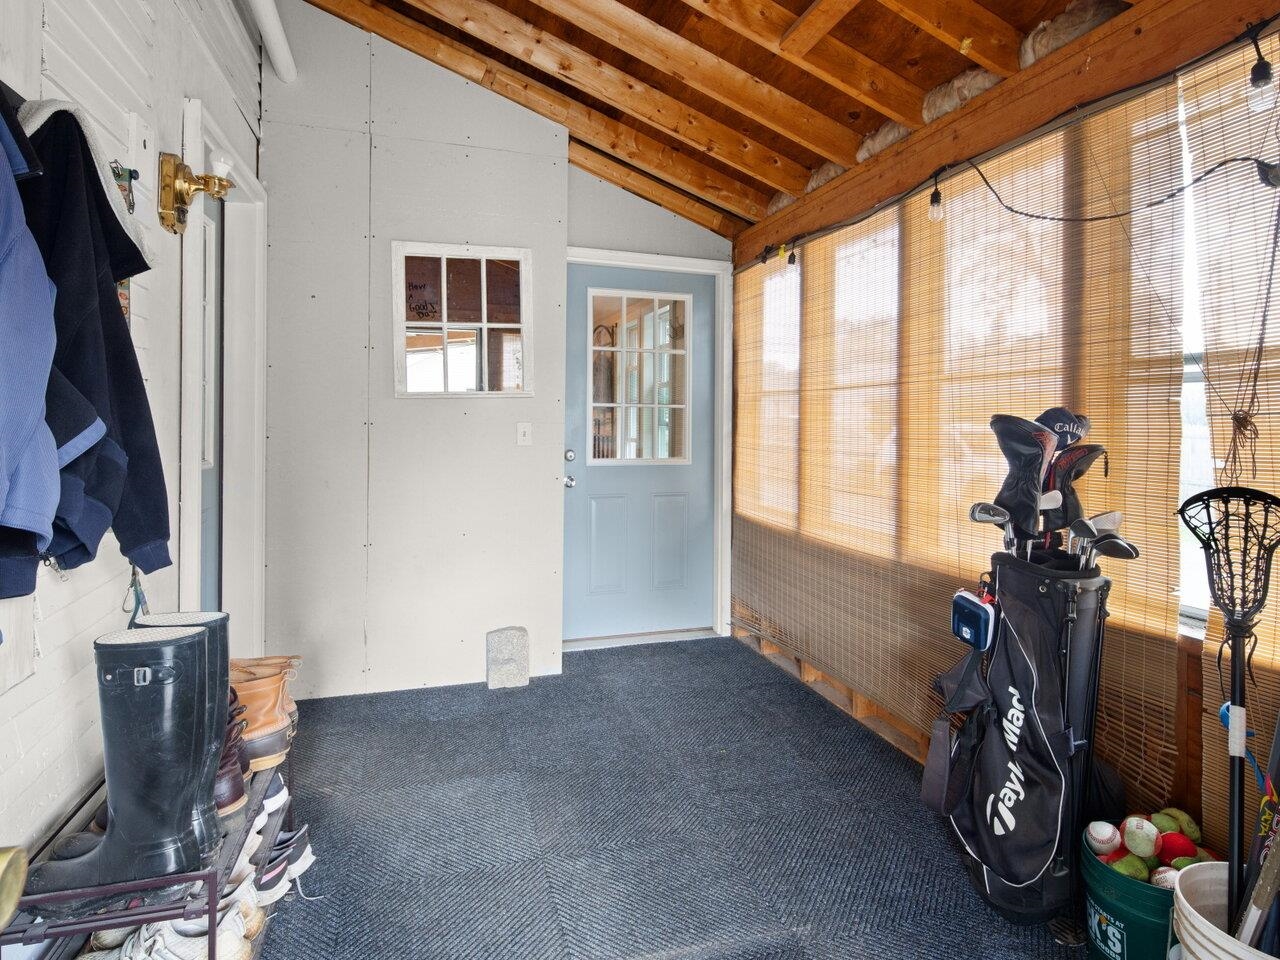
(29, 485)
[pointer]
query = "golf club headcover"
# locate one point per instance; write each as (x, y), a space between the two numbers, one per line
(1027, 447)
(1068, 467)
(1068, 427)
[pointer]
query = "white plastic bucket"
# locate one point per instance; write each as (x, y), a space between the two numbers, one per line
(1200, 915)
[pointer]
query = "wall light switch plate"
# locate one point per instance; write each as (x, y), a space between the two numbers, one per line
(524, 434)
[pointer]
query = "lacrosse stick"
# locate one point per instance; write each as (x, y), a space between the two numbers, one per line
(1239, 529)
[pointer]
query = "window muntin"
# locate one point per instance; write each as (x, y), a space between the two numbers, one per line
(459, 319)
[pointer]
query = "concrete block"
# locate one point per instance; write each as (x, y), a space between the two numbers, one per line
(507, 657)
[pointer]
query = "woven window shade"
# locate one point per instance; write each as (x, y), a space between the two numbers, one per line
(1235, 218)
(911, 335)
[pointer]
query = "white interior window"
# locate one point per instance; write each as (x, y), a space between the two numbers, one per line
(459, 315)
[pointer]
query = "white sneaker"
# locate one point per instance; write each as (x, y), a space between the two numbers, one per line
(261, 822)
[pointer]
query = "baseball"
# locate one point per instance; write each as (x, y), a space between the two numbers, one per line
(1164, 877)
(1102, 838)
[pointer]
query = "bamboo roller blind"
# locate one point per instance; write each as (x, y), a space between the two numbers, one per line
(866, 375)
(1234, 222)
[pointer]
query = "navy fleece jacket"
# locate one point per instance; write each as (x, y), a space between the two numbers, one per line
(118, 482)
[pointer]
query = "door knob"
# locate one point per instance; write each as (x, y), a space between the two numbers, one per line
(570, 456)
(570, 482)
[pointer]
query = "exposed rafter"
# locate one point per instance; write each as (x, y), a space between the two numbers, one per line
(814, 24)
(1151, 39)
(637, 35)
(766, 23)
(555, 57)
(584, 124)
(606, 168)
(968, 27)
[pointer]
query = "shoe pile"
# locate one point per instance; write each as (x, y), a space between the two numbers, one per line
(259, 877)
(184, 730)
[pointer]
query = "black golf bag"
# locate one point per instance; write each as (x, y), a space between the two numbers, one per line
(1013, 780)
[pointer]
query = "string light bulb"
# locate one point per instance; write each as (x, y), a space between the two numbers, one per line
(1262, 88)
(935, 203)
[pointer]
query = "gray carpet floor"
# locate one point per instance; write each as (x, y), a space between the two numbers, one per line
(681, 800)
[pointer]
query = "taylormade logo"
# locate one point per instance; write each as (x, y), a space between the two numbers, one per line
(1013, 720)
(1000, 805)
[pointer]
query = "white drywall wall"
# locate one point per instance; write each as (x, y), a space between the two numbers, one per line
(401, 531)
(609, 218)
(130, 63)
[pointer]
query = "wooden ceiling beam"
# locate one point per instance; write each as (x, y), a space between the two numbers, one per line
(814, 24)
(1149, 40)
(848, 70)
(558, 58)
(655, 191)
(635, 34)
(585, 124)
(966, 26)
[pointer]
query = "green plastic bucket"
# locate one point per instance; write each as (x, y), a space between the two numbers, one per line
(1125, 919)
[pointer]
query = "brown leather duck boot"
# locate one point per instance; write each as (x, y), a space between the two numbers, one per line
(228, 789)
(269, 666)
(266, 737)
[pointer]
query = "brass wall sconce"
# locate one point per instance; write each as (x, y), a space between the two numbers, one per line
(179, 186)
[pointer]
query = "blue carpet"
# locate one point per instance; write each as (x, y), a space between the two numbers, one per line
(680, 800)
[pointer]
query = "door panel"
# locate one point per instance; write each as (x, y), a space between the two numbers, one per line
(639, 419)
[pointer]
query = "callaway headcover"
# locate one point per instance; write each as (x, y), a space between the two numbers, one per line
(1068, 467)
(1027, 447)
(1068, 427)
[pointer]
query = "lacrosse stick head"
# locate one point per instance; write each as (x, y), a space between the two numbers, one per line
(1239, 529)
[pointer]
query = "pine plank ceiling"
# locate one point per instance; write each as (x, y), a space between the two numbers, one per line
(710, 107)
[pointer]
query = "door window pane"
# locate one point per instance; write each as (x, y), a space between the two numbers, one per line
(639, 367)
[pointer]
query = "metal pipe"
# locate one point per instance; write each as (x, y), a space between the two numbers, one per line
(267, 16)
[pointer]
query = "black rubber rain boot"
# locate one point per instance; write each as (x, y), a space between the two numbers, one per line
(1027, 447)
(152, 687)
(204, 815)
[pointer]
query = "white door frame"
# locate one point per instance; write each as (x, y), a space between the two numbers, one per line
(722, 469)
(244, 388)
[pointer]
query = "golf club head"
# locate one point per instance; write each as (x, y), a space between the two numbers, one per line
(988, 513)
(13, 876)
(1108, 522)
(1083, 529)
(1050, 500)
(1115, 546)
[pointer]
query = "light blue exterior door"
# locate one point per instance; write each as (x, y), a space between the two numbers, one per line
(639, 518)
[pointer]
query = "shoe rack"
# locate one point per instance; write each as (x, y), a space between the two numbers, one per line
(133, 903)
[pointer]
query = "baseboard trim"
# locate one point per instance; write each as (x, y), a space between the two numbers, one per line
(634, 639)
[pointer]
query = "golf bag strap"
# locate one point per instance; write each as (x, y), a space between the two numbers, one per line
(962, 687)
(948, 768)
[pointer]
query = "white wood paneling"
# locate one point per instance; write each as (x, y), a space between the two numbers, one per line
(130, 63)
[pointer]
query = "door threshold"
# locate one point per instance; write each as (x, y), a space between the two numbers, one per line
(634, 639)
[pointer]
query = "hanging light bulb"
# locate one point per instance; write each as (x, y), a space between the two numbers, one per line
(1262, 88)
(935, 203)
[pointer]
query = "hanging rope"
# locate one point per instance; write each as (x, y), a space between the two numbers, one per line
(1244, 426)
